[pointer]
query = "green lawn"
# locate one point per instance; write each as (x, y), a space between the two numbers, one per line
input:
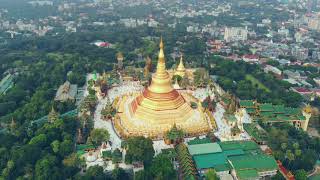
(255, 82)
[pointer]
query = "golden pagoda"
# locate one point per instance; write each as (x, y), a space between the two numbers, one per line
(153, 112)
(181, 70)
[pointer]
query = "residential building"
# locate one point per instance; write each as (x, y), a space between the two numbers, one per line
(317, 80)
(283, 31)
(250, 58)
(235, 34)
(300, 53)
(274, 70)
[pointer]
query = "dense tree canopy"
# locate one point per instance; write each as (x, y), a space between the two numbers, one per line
(98, 136)
(139, 149)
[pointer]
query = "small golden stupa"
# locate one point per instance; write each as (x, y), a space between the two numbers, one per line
(181, 70)
(153, 112)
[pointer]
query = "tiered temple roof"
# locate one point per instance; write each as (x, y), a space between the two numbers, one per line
(153, 112)
(66, 92)
(272, 113)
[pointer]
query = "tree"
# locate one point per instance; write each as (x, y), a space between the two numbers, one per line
(162, 168)
(195, 47)
(116, 156)
(290, 156)
(66, 147)
(140, 175)
(97, 136)
(119, 173)
(278, 176)
(139, 149)
(39, 140)
(6, 172)
(55, 145)
(94, 172)
(283, 146)
(72, 164)
(211, 175)
(300, 174)
(45, 168)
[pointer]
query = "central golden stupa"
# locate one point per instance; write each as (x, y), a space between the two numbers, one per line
(158, 108)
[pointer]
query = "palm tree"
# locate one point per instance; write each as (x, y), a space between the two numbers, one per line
(283, 146)
(290, 156)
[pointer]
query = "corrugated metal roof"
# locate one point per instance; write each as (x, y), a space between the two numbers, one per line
(260, 162)
(210, 160)
(247, 174)
(244, 145)
(207, 148)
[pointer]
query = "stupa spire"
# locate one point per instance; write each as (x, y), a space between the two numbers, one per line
(161, 82)
(181, 70)
(161, 66)
(181, 65)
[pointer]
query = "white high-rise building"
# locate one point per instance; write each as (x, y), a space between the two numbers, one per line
(235, 34)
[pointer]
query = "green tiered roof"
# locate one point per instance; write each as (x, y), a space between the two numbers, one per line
(267, 114)
(199, 141)
(233, 152)
(260, 162)
(250, 110)
(247, 104)
(212, 160)
(279, 109)
(231, 118)
(204, 148)
(247, 174)
(272, 113)
(106, 154)
(253, 131)
(266, 107)
(244, 145)
(81, 148)
(292, 111)
(245, 157)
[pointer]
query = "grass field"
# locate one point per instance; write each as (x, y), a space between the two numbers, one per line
(255, 82)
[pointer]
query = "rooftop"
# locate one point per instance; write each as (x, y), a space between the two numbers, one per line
(266, 107)
(247, 174)
(231, 118)
(244, 156)
(206, 148)
(210, 160)
(199, 141)
(247, 103)
(260, 162)
(244, 145)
